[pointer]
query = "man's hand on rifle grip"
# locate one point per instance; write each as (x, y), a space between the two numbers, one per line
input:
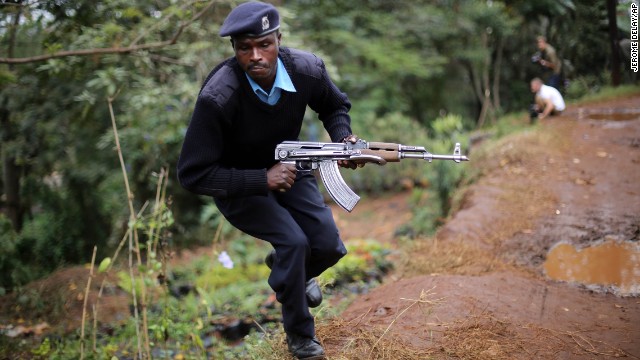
(281, 177)
(347, 163)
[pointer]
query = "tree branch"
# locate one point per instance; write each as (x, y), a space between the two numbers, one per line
(112, 50)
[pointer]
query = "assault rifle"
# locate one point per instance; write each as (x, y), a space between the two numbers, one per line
(308, 156)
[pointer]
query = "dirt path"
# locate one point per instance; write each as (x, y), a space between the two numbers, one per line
(479, 288)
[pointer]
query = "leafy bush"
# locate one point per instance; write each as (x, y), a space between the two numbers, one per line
(583, 85)
(394, 128)
(432, 204)
(366, 257)
(9, 266)
(57, 232)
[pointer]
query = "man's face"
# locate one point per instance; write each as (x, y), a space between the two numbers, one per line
(535, 86)
(258, 57)
(542, 44)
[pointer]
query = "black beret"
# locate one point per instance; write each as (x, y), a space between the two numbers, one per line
(251, 19)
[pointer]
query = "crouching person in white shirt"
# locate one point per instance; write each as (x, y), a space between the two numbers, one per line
(548, 100)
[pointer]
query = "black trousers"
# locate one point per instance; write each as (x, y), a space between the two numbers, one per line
(301, 228)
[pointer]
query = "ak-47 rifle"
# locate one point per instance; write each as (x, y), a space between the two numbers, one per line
(308, 156)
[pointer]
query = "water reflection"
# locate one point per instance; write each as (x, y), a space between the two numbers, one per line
(615, 116)
(609, 114)
(610, 263)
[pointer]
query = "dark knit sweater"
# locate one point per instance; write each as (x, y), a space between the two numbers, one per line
(231, 139)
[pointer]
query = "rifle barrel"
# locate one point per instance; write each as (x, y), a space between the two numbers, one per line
(428, 156)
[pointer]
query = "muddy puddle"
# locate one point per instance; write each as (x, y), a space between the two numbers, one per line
(611, 264)
(609, 114)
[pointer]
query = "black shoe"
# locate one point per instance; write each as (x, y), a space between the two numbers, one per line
(314, 294)
(304, 348)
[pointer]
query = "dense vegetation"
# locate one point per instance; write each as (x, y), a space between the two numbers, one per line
(94, 90)
(95, 97)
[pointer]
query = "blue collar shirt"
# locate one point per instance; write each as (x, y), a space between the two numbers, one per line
(282, 82)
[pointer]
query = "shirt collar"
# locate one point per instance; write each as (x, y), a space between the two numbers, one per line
(282, 81)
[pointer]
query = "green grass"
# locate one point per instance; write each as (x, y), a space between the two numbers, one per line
(187, 327)
(608, 93)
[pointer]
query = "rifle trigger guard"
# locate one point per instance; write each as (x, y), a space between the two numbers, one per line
(368, 158)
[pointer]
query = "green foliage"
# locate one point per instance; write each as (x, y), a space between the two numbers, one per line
(582, 86)
(388, 41)
(126, 283)
(217, 276)
(509, 123)
(364, 255)
(427, 214)
(9, 266)
(609, 92)
(432, 204)
(6, 77)
(352, 267)
(68, 136)
(104, 264)
(185, 327)
(48, 239)
(590, 88)
(395, 128)
(241, 298)
(44, 350)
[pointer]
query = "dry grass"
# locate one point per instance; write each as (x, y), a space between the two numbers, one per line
(484, 336)
(343, 341)
(550, 343)
(350, 340)
(457, 257)
(519, 206)
(478, 336)
(518, 172)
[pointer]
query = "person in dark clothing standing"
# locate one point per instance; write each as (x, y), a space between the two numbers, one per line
(550, 63)
(248, 104)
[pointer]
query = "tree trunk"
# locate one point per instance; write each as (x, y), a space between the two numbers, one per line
(10, 175)
(496, 75)
(475, 84)
(487, 105)
(11, 172)
(613, 39)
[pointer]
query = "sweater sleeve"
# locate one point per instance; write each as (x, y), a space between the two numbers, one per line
(199, 168)
(332, 106)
